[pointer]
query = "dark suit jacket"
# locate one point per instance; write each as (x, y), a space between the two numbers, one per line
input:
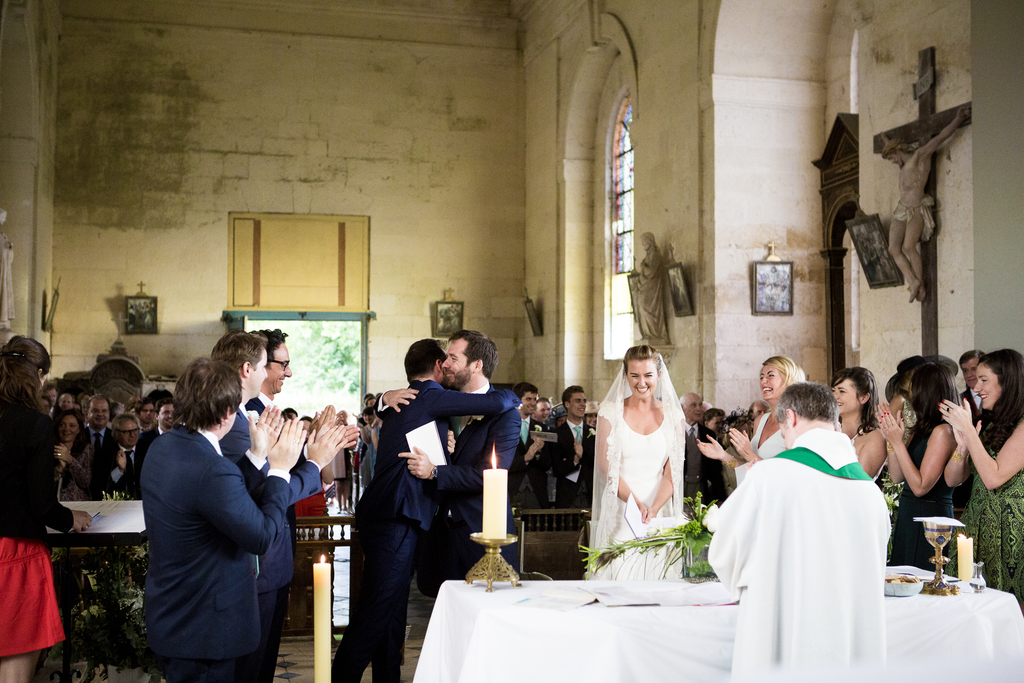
(712, 480)
(394, 493)
(563, 464)
(277, 564)
(460, 484)
(129, 483)
(102, 463)
(28, 493)
(203, 529)
(146, 440)
(536, 469)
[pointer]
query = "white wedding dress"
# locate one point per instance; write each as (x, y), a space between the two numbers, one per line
(640, 460)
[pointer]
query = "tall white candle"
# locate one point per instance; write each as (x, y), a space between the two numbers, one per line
(322, 621)
(495, 500)
(964, 557)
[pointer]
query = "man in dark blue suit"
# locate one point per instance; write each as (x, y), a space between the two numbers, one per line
(448, 551)
(203, 528)
(246, 354)
(393, 510)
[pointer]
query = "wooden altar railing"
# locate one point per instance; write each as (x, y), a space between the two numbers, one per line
(318, 536)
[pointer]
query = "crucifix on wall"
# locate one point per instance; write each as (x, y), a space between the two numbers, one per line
(912, 147)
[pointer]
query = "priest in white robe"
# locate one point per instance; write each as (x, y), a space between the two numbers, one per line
(802, 546)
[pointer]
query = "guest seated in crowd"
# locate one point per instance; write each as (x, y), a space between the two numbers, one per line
(778, 540)
(756, 410)
(920, 462)
(572, 460)
(542, 415)
(124, 476)
(74, 455)
(996, 456)
(590, 417)
(777, 373)
(857, 395)
(528, 473)
(146, 414)
(103, 442)
(67, 401)
(50, 397)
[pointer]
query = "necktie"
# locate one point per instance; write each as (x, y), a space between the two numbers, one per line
(266, 468)
(99, 441)
(578, 431)
(524, 431)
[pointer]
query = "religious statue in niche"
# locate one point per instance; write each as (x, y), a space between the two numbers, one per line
(648, 288)
(912, 219)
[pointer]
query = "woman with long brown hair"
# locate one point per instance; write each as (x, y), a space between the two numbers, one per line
(995, 452)
(856, 394)
(74, 455)
(29, 619)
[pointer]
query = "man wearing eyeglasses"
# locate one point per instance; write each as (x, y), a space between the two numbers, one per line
(277, 371)
(124, 476)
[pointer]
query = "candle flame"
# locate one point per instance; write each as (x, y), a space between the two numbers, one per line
(494, 458)
(323, 559)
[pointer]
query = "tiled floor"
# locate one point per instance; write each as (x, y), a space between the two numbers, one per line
(296, 654)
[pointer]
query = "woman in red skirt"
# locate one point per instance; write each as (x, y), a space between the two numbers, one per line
(29, 619)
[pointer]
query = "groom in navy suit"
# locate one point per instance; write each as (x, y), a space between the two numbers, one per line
(203, 528)
(393, 511)
(448, 551)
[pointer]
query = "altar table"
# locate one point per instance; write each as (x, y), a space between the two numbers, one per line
(475, 636)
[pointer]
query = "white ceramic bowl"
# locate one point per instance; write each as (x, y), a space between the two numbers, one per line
(903, 590)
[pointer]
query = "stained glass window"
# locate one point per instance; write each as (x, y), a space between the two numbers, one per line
(622, 197)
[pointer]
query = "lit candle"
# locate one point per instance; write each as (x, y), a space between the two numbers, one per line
(965, 557)
(322, 621)
(495, 500)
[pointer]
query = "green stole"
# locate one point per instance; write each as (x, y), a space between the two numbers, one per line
(806, 456)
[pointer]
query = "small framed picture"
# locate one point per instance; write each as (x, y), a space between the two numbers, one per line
(447, 318)
(140, 313)
(772, 288)
(681, 303)
(872, 247)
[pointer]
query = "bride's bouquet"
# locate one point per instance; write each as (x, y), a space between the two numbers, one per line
(686, 543)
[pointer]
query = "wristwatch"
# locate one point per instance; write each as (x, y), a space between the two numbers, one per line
(433, 472)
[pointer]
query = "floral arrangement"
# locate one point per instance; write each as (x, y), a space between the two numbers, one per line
(685, 543)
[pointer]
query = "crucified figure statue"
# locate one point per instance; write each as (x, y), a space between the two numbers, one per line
(912, 220)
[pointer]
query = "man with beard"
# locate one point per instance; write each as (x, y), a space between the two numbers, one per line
(449, 551)
(394, 509)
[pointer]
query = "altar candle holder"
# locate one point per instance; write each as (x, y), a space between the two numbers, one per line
(492, 567)
(938, 535)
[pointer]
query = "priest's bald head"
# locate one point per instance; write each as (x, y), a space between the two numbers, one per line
(805, 406)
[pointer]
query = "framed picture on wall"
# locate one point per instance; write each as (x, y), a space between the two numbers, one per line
(140, 314)
(447, 318)
(772, 288)
(873, 251)
(681, 303)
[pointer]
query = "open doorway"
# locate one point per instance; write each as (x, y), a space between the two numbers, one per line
(326, 363)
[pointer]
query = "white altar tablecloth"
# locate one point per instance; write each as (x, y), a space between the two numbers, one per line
(475, 636)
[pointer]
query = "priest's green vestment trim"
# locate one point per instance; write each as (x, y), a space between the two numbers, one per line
(806, 456)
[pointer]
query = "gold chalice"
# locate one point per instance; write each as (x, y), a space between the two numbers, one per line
(492, 566)
(938, 534)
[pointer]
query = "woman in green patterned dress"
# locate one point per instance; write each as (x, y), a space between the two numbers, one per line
(995, 452)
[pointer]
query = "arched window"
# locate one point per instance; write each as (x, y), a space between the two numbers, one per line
(620, 309)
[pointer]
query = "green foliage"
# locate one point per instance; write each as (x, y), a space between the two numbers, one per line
(109, 624)
(325, 362)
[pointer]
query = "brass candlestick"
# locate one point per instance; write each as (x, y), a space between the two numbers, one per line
(492, 566)
(938, 535)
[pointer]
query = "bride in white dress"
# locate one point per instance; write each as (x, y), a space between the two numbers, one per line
(640, 449)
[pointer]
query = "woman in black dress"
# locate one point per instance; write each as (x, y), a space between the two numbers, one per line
(920, 463)
(29, 619)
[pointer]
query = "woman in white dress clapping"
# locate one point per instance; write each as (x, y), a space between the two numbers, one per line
(640, 450)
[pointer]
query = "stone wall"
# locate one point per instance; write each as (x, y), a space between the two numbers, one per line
(169, 122)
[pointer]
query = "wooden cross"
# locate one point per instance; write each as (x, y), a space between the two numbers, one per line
(927, 125)
(141, 285)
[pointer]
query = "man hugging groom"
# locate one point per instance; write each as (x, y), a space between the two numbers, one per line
(412, 507)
